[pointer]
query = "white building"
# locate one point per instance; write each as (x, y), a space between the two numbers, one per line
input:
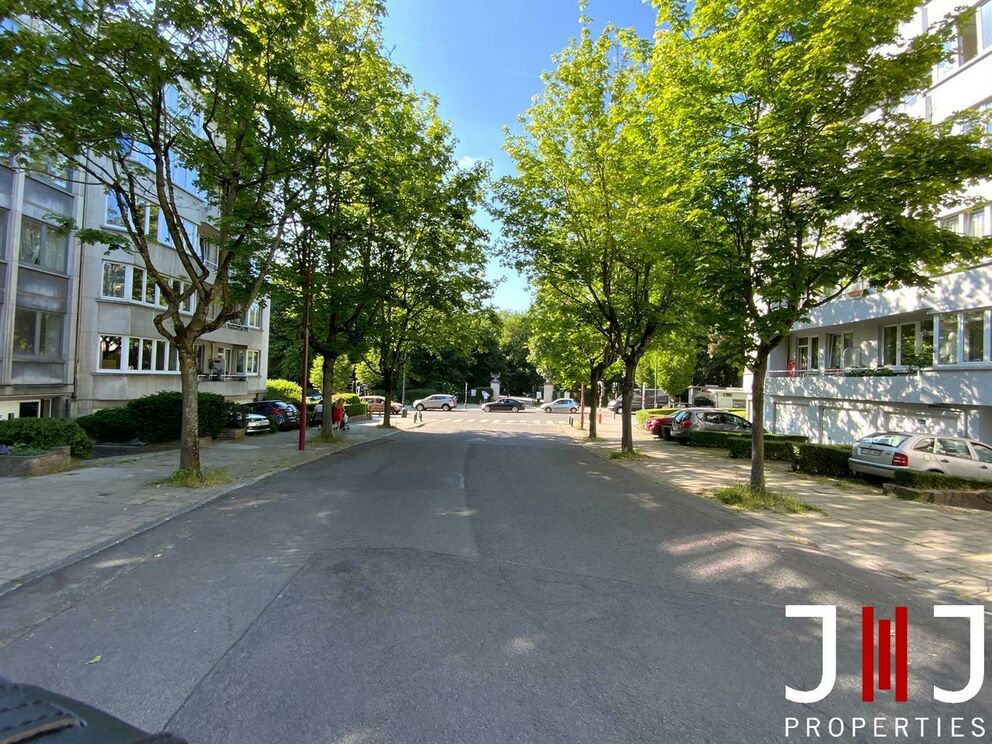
(934, 347)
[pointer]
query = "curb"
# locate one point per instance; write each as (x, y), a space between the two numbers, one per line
(7, 587)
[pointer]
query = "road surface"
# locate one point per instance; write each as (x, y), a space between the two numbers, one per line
(480, 579)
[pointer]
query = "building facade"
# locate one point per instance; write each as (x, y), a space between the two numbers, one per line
(906, 359)
(77, 330)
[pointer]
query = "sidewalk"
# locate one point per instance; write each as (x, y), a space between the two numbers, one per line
(52, 521)
(936, 547)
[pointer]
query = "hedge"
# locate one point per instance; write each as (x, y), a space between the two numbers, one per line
(939, 481)
(349, 399)
(777, 447)
(158, 417)
(286, 390)
(45, 433)
(823, 459)
(110, 425)
(355, 409)
(714, 439)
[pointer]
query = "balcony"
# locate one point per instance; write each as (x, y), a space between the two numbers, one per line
(958, 386)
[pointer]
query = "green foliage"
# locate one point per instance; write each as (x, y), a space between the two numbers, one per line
(743, 496)
(286, 390)
(713, 439)
(823, 459)
(777, 447)
(186, 478)
(110, 425)
(158, 417)
(939, 482)
(45, 433)
(356, 409)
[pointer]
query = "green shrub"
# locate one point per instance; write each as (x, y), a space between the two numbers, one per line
(286, 390)
(777, 447)
(355, 409)
(939, 481)
(823, 459)
(643, 416)
(45, 433)
(110, 425)
(158, 417)
(348, 398)
(713, 439)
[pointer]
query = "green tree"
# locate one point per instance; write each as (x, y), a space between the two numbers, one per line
(586, 214)
(801, 172)
(127, 94)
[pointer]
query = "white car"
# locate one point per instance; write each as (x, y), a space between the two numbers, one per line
(562, 404)
(436, 402)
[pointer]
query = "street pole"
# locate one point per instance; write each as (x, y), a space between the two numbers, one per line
(302, 444)
(466, 395)
(582, 406)
(403, 387)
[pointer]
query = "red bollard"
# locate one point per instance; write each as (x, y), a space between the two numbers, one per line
(600, 418)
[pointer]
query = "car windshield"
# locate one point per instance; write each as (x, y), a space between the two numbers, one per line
(885, 440)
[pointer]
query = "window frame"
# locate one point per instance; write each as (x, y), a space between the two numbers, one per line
(37, 263)
(37, 340)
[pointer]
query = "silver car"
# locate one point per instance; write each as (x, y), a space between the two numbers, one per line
(690, 420)
(437, 402)
(562, 404)
(883, 453)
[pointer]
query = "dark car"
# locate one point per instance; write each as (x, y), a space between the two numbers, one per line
(283, 415)
(689, 420)
(502, 404)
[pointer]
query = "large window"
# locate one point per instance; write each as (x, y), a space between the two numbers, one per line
(948, 342)
(113, 216)
(37, 333)
(251, 366)
(985, 23)
(974, 335)
(253, 318)
(841, 350)
(114, 280)
(975, 223)
(153, 355)
(898, 344)
(43, 245)
(807, 353)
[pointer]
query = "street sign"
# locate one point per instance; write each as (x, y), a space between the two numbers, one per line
(473, 391)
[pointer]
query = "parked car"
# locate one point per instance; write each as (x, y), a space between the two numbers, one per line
(883, 453)
(616, 404)
(690, 420)
(281, 415)
(439, 402)
(313, 399)
(377, 404)
(502, 404)
(562, 404)
(252, 423)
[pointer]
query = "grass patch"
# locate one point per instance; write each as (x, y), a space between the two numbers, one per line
(635, 455)
(325, 439)
(189, 478)
(742, 496)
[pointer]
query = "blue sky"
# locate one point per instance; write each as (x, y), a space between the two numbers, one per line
(483, 59)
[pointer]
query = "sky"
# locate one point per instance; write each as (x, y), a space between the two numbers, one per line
(483, 60)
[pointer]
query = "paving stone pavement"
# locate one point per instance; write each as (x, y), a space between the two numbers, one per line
(941, 548)
(50, 521)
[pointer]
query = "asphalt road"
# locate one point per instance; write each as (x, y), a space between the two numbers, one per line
(480, 579)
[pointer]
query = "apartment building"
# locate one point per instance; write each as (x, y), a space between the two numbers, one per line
(905, 359)
(77, 330)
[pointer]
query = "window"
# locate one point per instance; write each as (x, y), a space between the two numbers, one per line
(43, 245)
(808, 352)
(114, 279)
(974, 335)
(951, 224)
(954, 448)
(253, 318)
(138, 284)
(114, 217)
(239, 367)
(208, 252)
(37, 333)
(110, 352)
(985, 21)
(924, 445)
(898, 344)
(984, 452)
(925, 355)
(134, 354)
(975, 223)
(841, 350)
(948, 342)
(967, 33)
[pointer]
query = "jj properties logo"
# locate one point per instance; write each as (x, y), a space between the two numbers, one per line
(885, 671)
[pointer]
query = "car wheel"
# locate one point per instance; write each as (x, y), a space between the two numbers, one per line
(548, 409)
(574, 410)
(487, 409)
(445, 407)
(279, 420)
(514, 409)
(420, 407)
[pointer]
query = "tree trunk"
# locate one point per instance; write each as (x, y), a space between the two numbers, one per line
(327, 392)
(593, 401)
(189, 443)
(759, 370)
(387, 408)
(627, 430)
